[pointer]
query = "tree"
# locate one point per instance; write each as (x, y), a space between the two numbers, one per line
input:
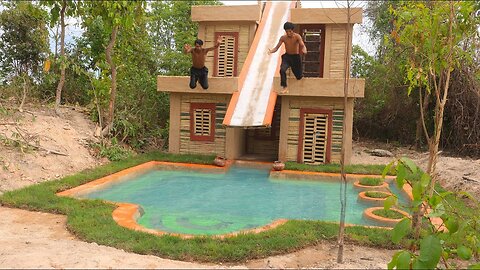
(58, 10)
(171, 27)
(142, 112)
(343, 175)
(448, 231)
(432, 33)
(24, 39)
(362, 64)
(23, 43)
(115, 16)
(385, 113)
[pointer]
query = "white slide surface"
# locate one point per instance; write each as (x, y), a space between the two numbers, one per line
(251, 107)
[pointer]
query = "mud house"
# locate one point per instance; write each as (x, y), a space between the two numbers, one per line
(242, 115)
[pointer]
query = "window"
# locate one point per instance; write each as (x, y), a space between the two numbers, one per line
(202, 122)
(226, 55)
(314, 39)
(315, 136)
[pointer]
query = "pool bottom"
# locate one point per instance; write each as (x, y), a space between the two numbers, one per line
(127, 214)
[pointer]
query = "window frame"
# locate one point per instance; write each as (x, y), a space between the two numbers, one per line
(304, 111)
(235, 58)
(322, 27)
(203, 106)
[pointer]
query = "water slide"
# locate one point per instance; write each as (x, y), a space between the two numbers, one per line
(253, 104)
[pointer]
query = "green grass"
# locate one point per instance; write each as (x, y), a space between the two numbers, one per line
(371, 181)
(388, 213)
(376, 194)
(91, 221)
(335, 168)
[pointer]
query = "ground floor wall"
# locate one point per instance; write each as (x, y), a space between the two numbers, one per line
(182, 138)
(232, 143)
(290, 140)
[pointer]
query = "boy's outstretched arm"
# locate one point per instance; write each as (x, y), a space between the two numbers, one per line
(270, 51)
(217, 44)
(187, 48)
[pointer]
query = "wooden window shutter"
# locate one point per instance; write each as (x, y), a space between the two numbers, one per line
(226, 55)
(202, 121)
(315, 136)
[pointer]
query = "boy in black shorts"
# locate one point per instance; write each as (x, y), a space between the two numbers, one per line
(293, 43)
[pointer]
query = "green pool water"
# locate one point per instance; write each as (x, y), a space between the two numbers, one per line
(243, 198)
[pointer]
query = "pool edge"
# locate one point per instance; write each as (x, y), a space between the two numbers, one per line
(126, 214)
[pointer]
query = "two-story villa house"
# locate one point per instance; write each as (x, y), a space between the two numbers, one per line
(239, 118)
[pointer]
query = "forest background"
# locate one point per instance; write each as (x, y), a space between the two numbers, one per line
(111, 70)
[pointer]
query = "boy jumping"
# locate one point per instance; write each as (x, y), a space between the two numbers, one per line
(198, 71)
(293, 42)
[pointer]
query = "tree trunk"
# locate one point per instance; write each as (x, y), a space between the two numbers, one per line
(24, 95)
(58, 94)
(343, 186)
(113, 90)
(420, 123)
(440, 108)
(56, 43)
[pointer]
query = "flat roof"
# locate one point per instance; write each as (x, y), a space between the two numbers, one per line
(325, 15)
(226, 13)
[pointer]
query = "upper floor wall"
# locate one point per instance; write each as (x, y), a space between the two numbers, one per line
(332, 31)
(237, 25)
(324, 31)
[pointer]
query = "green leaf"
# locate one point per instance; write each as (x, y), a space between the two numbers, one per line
(474, 266)
(389, 202)
(438, 211)
(434, 201)
(400, 182)
(401, 172)
(403, 261)
(466, 194)
(417, 191)
(409, 163)
(430, 251)
(387, 168)
(55, 14)
(394, 261)
(446, 193)
(425, 180)
(451, 224)
(400, 230)
(464, 252)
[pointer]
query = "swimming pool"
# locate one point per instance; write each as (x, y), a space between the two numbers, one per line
(200, 203)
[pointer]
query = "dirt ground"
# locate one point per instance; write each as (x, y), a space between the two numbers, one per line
(40, 240)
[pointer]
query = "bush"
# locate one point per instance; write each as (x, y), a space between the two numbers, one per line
(371, 181)
(112, 150)
(376, 194)
(392, 214)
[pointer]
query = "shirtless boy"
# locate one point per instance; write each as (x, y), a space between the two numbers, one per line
(198, 71)
(293, 43)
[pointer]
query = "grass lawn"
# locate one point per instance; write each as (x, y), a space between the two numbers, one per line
(91, 221)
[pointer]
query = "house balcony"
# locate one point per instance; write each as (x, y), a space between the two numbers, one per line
(313, 87)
